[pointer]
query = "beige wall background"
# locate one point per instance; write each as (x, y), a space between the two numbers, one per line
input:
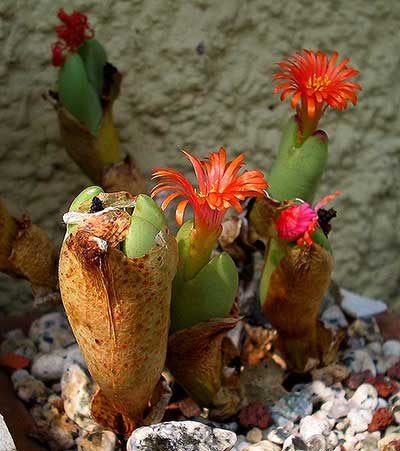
(198, 75)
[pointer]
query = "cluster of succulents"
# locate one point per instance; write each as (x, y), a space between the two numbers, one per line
(139, 298)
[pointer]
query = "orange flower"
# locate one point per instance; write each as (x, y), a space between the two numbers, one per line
(299, 222)
(219, 188)
(317, 82)
(71, 35)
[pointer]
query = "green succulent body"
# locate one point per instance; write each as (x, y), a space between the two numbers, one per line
(296, 173)
(210, 292)
(80, 84)
(146, 222)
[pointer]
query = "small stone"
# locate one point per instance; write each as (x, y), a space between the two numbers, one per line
(180, 436)
(255, 415)
(294, 443)
(385, 386)
(320, 391)
(54, 426)
(375, 347)
(50, 367)
(264, 445)
(332, 440)
(311, 425)
(76, 390)
(282, 421)
(277, 435)
(382, 403)
(299, 403)
(362, 377)
(255, 435)
(359, 360)
(370, 443)
(316, 443)
(51, 331)
(13, 361)
(330, 374)
(333, 316)
(381, 419)
(18, 343)
(6, 441)
(97, 441)
(359, 306)
(366, 328)
(365, 397)
(360, 419)
(390, 442)
(391, 348)
(28, 388)
(337, 408)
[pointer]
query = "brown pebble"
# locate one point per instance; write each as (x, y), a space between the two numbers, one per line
(381, 419)
(255, 415)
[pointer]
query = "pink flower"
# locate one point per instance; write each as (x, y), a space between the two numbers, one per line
(299, 222)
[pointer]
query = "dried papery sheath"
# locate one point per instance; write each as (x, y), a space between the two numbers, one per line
(26, 251)
(118, 307)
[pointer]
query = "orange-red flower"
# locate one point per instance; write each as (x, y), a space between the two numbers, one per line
(219, 188)
(299, 222)
(316, 82)
(71, 35)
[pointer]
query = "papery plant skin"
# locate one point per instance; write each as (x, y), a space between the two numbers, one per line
(118, 305)
(26, 251)
(219, 187)
(8, 232)
(315, 82)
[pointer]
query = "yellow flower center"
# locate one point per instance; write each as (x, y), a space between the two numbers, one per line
(318, 82)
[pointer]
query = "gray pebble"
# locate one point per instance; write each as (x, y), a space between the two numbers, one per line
(181, 436)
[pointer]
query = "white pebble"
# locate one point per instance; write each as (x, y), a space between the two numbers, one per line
(365, 397)
(391, 348)
(312, 425)
(264, 445)
(360, 419)
(48, 367)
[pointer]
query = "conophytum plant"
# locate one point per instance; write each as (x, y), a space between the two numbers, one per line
(298, 261)
(116, 268)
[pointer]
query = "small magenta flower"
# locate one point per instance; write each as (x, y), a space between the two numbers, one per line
(316, 82)
(71, 35)
(220, 187)
(299, 222)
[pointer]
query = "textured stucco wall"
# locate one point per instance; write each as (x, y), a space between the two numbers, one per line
(174, 96)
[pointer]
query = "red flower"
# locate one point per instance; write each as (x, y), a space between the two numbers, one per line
(299, 222)
(317, 83)
(220, 187)
(71, 35)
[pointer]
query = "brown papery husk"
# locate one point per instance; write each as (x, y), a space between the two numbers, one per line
(99, 157)
(118, 308)
(123, 176)
(8, 232)
(195, 360)
(26, 251)
(34, 255)
(296, 289)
